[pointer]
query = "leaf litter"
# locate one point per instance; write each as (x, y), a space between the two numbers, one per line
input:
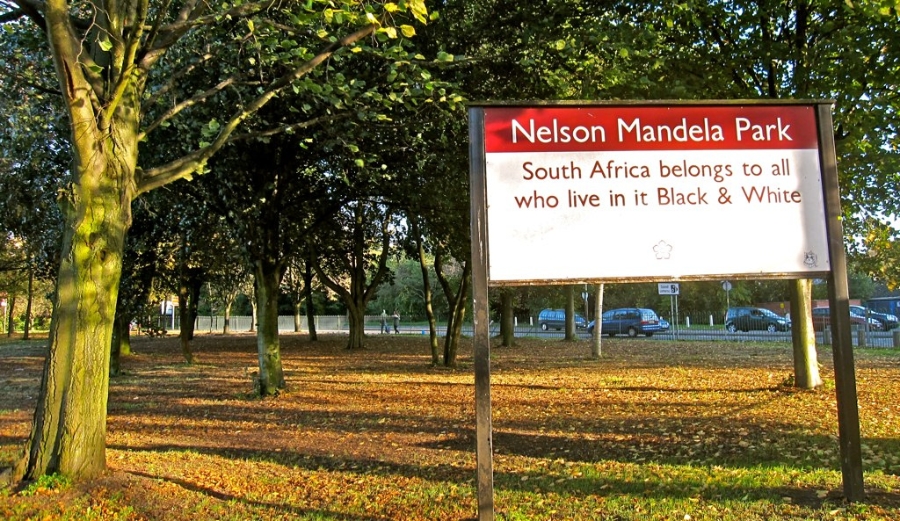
(652, 430)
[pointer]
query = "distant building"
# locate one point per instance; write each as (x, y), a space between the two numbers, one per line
(884, 305)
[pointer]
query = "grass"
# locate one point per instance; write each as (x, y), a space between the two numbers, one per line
(652, 431)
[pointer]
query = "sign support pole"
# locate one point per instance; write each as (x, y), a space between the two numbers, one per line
(482, 338)
(839, 302)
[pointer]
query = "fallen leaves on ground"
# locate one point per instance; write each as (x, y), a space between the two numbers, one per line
(652, 430)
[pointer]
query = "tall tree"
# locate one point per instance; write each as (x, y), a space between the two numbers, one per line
(346, 263)
(104, 56)
(826, 50)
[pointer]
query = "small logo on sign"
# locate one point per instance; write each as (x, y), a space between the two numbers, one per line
(663, 250)
(810, 259)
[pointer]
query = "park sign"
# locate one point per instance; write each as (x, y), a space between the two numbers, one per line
(564, 193)
(592, 193)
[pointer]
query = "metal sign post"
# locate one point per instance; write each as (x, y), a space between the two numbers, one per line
(671, 289)
(481, 325)
(839, 302)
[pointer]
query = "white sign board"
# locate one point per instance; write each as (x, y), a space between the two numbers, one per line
(589, 193)
(668, 288)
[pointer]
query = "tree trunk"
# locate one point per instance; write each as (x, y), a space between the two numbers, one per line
(570, 313)
(356, 317)
(69, 430)
(507, 321)
(806, 364)
(26, 326)
(125, 337)
(598, 312)
(10, 321)
(185, 332)
(188, 303)
(271, 372)
(310, 305)
(457, 314)
(356, 300)
(120, 339)
(186, 326)
(226, 328)
(426, 290)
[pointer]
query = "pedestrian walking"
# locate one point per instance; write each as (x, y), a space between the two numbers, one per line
(396, 322)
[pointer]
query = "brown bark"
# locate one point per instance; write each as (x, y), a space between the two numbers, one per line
(457, 313)
(806, 364)
(570, 314)
(26, 324)
(428, 297)
(268, 287)
(507, 321)
(69, 429)
(10, 316)
(310, 305)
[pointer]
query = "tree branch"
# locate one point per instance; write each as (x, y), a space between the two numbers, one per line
(198, 98)
(281, 129)
(187, 165)
(170, 84)
(30, 8)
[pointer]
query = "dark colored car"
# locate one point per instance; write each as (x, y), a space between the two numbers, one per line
(556, 319)
(821, 318)
(887, 320)
(628, 321)
(755, 319)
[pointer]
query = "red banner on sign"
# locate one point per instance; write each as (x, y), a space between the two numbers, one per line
(690, 127)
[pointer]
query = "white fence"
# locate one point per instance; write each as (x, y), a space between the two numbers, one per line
(686, 330)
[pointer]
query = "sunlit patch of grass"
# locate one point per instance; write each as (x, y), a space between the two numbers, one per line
(46, 483)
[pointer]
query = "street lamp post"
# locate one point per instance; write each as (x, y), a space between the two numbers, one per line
(584, 297)
(727, 287)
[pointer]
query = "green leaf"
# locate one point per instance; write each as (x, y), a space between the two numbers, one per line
(418, 10)
(408, 31)
(105, 44)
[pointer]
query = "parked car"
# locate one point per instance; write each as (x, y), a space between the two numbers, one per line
(628, 321)
(747, 318)
(663, 324)
(556, 319)
(821, 318)
(887, 320)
